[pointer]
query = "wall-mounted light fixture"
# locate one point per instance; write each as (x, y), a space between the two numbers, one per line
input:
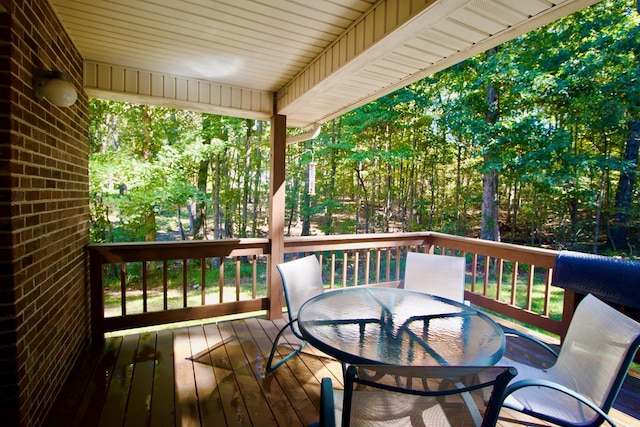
(55, 87)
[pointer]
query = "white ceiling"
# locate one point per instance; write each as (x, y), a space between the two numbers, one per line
(318, 58)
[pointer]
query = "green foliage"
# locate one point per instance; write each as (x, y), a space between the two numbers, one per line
(412, 160)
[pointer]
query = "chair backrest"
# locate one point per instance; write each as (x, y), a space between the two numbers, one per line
(301, 280)
(597, 351)
(415, 395)
(591, 274)
(440, 275)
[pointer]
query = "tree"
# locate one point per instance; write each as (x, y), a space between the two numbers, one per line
(618, 238)
(490, 229)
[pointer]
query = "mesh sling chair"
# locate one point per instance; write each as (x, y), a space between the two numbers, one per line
(301, 280)
(583, 382)
(440, 275)
(414, 396)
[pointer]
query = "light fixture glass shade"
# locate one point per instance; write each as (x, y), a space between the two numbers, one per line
(59, 92)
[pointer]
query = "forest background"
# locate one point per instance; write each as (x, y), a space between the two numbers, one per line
(534, 142)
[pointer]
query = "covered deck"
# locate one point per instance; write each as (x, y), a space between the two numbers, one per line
(298, 67)
(213, 369)
(212, 373)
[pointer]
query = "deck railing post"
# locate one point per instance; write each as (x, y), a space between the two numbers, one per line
(96, 280)
(276, 214)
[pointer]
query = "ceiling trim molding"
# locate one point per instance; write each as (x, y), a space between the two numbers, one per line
(135, 85)
(355, 55)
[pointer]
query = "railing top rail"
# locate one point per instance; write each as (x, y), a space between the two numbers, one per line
(141, 251)
(523, 254)
(165, 250)
(354, 241)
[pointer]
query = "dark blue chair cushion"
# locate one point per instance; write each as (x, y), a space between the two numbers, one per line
(610, 279)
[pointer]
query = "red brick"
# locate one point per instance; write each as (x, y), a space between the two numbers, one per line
(46, 150)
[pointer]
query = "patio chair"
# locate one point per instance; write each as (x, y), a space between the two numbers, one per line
(301, 280)
(440, 275)
(583, 382)
(381, 395)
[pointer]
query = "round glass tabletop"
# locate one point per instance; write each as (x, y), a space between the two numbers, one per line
(399, 327)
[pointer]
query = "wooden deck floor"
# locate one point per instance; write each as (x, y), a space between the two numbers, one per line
(212, 374)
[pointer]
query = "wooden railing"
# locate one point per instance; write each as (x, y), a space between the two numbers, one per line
(163, 282)
(126, 275)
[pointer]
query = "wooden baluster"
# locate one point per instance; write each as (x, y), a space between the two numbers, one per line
(185, 270)
(237, 278)
(500, 268)
(144, 286)
(332, 274)
(356, 262)
(485, 286)
(367, 267)
(203, 281)
(514, 282)
(221, 280)
(345, 261)
(123, 288)
(254, 276)
(547, 293)
(165, 284)
(530, 287)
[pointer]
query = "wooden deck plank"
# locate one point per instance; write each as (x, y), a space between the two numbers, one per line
(139, 404)
(259, 412)
(298, 370)
(76, 385)
(210, 404)
(115, 405)
(305, 407)
(317, 368)
(276, 397)
(236, 353)
(187, 412)
(91, 401)
(234, 408)
(163, 412)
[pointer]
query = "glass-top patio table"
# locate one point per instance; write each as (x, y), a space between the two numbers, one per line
(399, 327)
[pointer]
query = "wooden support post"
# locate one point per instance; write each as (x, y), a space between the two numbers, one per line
(276, 213)
(96, 279)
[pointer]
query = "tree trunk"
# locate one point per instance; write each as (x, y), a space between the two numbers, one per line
(490, 229)
(294, 198)
(365, 213)
(330, 194)
(242, 229)
(624, 192)
(150, 226)
(199, 206)
(256, 182)
(180, 227)
(458, 195)
(306, 208)
(217, 228)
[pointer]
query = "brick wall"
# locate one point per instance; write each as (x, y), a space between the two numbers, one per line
(44, 301)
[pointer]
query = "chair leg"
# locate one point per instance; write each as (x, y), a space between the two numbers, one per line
(271, 368)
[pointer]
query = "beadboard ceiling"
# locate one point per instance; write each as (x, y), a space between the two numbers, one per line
(310, 60)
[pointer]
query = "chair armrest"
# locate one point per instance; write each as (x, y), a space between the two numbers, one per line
(509, 331)
(534, 382)
(327, 406)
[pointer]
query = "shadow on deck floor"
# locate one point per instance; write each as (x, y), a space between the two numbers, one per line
(213, 374)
